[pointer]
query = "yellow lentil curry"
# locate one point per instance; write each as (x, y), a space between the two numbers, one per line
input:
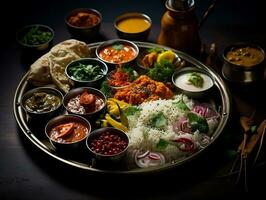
(133, 25)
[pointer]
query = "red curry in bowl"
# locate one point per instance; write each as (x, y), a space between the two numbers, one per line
(117, 51)
(67, 129)
(69, 132)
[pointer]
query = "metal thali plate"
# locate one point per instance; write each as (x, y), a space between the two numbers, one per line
(37, 136)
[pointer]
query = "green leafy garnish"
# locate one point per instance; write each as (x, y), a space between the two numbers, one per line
(161, 145)
(195, 79)
(118, 46)
(83, 72)
(106, 89)
(181, 105)
(158, 120)
(162, 71)
(36, 36)
(197, 123)
(156, 50)
(132, 110)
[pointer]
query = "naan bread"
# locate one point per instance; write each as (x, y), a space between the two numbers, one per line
(39, 74)
(50, 68)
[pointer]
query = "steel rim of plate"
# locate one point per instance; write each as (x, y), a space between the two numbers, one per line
(225, 112)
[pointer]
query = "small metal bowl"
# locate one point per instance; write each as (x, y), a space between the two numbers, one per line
(78, 91)
(65, 145)
(85, 33)
(143, 52)
(32, 48)
(179, 79)
(126, 19)
(42, 114)
(115, 88)
(87, 61)
(117, 42)
(239, 73)
(111, 154)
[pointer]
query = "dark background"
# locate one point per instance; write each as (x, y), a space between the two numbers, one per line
(28, 173)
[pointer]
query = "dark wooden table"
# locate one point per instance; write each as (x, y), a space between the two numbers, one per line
(28, 173)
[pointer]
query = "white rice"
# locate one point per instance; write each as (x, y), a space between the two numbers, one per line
(143, 136)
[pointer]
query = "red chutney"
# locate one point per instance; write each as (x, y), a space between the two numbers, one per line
(108, 144)
(85, 103)
(69, 132)
(118, 53)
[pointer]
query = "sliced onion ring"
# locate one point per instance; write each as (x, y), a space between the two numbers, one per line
(143, 155)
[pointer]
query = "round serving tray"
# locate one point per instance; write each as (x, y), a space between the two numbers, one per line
(41, 142)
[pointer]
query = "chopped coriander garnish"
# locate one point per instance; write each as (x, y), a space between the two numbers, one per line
(85, 72)
(195, 79)
(118, 46)
(36, 35)
(156, 50)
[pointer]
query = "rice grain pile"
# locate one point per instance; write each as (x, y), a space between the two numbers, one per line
(145, 136)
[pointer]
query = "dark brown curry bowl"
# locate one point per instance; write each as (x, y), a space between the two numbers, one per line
(85, 101)
(42, 102)
(108, 144)
(181, 78)
(146, 54)
(110, 52)
(84, 23)
(243, 63)
(87, 72)
(68, 132)
(133, 26)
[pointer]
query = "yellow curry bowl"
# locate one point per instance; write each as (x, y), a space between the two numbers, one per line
(133, 26)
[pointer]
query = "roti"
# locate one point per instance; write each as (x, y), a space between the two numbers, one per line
(50, 68)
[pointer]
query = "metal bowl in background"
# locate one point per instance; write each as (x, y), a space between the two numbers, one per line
(34, 41)
(133, 26)
(239, 73)
(85, 33)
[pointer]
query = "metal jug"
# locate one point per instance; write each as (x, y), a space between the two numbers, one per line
(179, 27)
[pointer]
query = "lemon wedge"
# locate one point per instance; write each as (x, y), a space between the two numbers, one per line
(167, 55)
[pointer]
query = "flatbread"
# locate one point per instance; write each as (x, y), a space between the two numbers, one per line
(39, 73)
(50, 68)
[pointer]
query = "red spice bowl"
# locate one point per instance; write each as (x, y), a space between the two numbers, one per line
(108, 144)
(121, 77)
(68, 132)
(84, 23)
